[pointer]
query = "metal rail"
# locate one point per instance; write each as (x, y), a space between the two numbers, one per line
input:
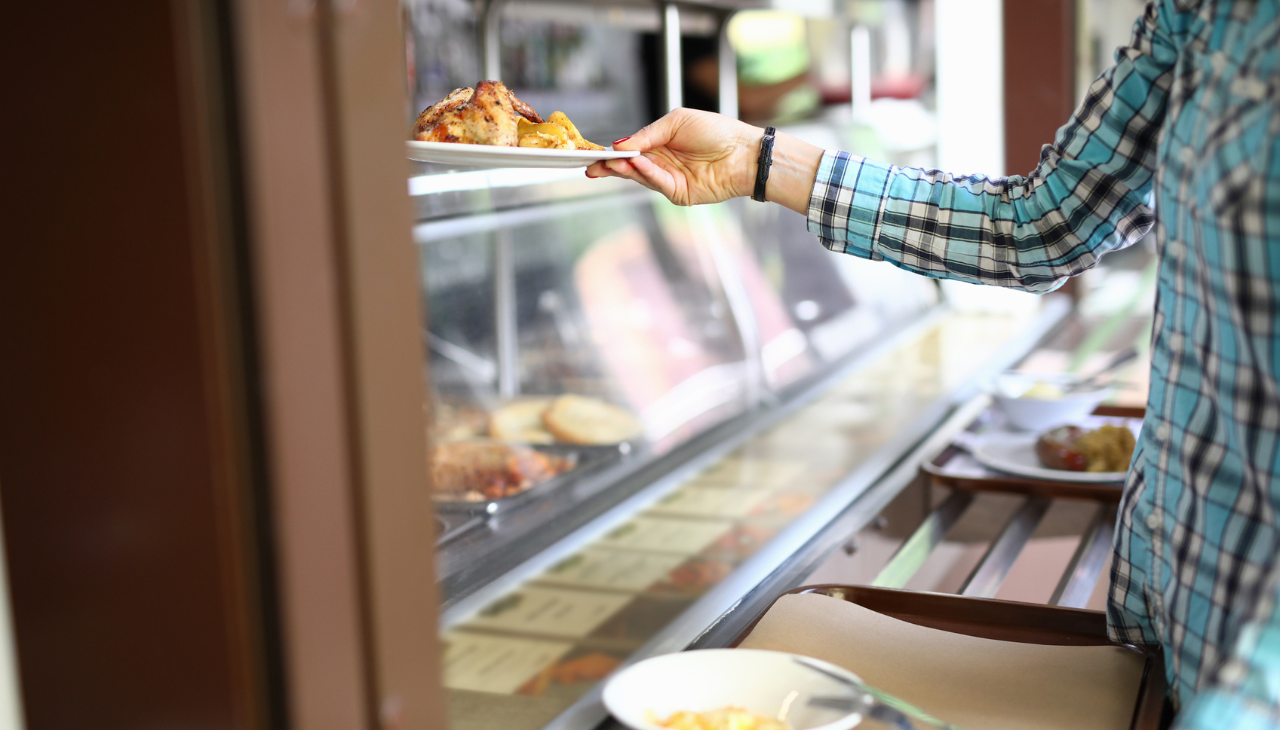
(672, 67)
(907, 560)
(728, 70)
(506, 332)
(995, 565)
(489, 24)
(1086, 564)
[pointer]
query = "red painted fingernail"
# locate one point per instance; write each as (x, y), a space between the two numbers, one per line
(593, 177)
(619, 141)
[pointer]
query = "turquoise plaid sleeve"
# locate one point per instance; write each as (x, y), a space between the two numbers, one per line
(1089, 194)
(1244, 692)
(1189, 117)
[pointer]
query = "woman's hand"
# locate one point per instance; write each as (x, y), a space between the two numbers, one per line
(691, 157)
(695, 157)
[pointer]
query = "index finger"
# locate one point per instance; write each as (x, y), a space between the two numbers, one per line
(656, 134)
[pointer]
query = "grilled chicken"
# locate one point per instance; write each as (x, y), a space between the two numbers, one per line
(489, 114)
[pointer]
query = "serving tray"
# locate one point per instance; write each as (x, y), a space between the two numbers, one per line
(954, 467)
(1025, 623)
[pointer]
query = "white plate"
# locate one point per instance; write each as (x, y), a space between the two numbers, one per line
(1015, 453)
(483, 155)
(712, 679)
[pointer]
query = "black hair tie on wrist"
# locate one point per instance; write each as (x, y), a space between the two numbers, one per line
(764, 163)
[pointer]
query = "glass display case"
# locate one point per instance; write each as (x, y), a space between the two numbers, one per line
(660, 406)
(639, 413)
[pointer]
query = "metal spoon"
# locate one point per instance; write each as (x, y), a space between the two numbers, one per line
(871, 702)
(1120, 358)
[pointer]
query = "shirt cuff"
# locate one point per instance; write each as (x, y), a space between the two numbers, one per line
(847, 202)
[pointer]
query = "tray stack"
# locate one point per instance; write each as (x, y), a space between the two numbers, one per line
(953, 468)
(1001, 621)
(975, 612)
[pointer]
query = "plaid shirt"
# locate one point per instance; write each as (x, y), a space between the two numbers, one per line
(1183, 132)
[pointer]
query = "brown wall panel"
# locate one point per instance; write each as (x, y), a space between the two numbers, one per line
(1039, 76)
(128, 610)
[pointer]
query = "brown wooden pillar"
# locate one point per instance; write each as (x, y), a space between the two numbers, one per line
(212, 464)
(1039, 76)
(127, 466)
(1039, 81)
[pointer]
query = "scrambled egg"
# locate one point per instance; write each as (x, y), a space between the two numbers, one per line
(1043, 391)
(1108, 448)
(728, 718)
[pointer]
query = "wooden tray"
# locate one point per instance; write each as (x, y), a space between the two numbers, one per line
(981, 479)
(1025, 623)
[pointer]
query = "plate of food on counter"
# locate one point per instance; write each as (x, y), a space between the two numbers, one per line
(1098, 452)
(488, 126)
(734, 689)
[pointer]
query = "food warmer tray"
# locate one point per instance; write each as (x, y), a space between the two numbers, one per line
(586, 460)
(451, 525)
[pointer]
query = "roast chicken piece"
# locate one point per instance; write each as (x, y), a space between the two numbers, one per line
(489, 114)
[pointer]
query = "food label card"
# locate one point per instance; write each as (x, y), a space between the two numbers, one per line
(697, 501)
(751, 472)
(623, 570)
(665, 534)
(500, 664)
(548, 611)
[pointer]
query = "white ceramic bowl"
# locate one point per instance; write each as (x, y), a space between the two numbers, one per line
(712, 679)
(1022, 398)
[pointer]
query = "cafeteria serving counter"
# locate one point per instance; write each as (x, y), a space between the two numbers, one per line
(786, 397)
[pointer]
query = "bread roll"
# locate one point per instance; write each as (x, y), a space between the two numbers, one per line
(521, 422)
(577, 419)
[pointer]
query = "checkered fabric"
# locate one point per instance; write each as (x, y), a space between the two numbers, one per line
(1183, 132)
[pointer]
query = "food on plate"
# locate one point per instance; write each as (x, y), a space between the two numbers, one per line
(1040, 390)
(521, 421)
(578, 419)
(483, 470)
(1104, 449)
(728, 718)
(574, 419)
(557, 133)
(490, 114)
(548, 135)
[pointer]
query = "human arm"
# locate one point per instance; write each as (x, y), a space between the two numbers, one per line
(695, 157)
(1244, 692)
(1088, 195)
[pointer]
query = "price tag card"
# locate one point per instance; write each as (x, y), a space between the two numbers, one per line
(665, 534)
(760, 473)
(624, 570)
(548, 611)
(699, 501)
(502, 664)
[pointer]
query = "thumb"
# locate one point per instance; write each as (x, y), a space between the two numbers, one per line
(654, 135)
